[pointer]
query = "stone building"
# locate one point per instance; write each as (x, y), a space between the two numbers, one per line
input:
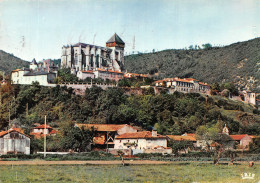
(86, 57)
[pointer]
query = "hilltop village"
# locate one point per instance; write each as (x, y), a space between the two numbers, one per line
(94, 69)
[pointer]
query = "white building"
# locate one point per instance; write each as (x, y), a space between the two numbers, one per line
(188, 85)
(100, 73)
(44, 73)
(142, 142)
(14, 141)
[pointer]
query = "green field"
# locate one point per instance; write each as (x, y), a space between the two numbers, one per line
(186, 172)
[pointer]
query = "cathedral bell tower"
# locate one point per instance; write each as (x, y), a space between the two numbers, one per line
(117, 55)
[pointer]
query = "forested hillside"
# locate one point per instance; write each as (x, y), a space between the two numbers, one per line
(239, 63)
(9, 62)
(168, 113)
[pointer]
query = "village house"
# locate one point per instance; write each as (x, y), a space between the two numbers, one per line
(106, 133)
(101, 73)
(186, 85)
(39, 131)
(242, 140)
(142, 142)
(14, 141)
(249, 97)
(44, 73)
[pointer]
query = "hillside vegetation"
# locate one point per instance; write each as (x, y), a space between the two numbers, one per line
(9, 62)
(169, 113)
(238, 63)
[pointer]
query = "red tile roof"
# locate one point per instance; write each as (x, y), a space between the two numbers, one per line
(43, 127)
(103, 127)
(139, 135)
(2, 133)
(182, 138)
(204, 84)
(238, 137)
(215, 144)
(89, 71)
(190, 134)
(104, 70)
(54, 132)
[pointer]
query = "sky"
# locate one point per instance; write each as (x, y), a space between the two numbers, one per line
(39, 28)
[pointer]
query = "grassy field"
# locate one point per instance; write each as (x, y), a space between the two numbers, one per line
(181, 172)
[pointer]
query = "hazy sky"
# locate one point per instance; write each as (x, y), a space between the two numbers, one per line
(39, 28)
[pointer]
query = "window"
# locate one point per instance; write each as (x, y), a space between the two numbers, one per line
(76, 59)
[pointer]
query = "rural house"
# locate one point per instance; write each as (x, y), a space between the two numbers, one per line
(186, 85)
(142, 142)
(14, 141)
(39, 131)
(242, 140)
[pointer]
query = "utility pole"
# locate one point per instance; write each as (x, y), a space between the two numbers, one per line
(27, 110)
(45, 138)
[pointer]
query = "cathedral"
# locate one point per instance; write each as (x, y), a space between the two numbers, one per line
(87, 57)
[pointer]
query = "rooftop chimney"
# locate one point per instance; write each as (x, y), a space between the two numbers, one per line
(154, 133)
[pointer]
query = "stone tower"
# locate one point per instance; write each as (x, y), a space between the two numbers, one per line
(117, 45)
(33, 65)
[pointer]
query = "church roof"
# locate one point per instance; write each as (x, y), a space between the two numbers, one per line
(115, 38)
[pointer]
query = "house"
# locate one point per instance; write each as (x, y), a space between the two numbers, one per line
(44, 73)
(142, 142)
(106, 133)
(39, 131)
(14, 141)
(100, 73)
(186, 85)
(249, 97)
(242, 140)
(224, 140)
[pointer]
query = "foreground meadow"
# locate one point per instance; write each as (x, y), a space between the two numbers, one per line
(178, 172)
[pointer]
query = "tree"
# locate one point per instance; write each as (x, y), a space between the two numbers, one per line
(217, 142)
(206, 46)
(64, 75)
(191, 47)
(179, 145)
(77, 139)
(215, 87)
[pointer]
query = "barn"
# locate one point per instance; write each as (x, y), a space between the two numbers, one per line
(14, 141)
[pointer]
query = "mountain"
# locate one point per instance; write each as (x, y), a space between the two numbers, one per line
(238, 63)
(9, 62)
